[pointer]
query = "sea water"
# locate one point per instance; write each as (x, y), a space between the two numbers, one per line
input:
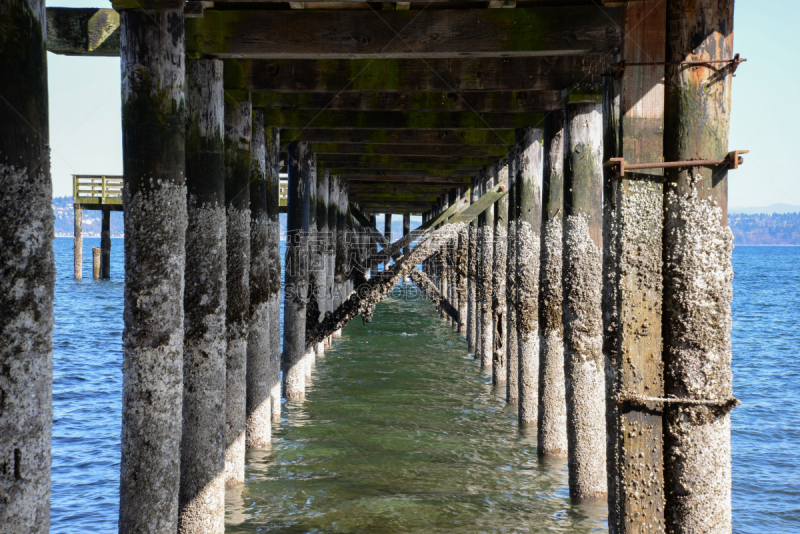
(401, 432)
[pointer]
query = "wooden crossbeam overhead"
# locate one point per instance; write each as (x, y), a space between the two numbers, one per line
(340, 159)
(401, 120)
(452, 181)
(348, 34)
(395, 207)
(414, 75)
(356, 185)
(401, 137)
(516, 101)
(454, 173)
(434, 152)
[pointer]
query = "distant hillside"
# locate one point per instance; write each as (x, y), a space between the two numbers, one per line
(772, 208)
(765, 229)
(92, 220)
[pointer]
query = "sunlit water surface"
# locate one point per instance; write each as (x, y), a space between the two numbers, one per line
(401, 432)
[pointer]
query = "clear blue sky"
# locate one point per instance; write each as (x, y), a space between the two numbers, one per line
(85, 107)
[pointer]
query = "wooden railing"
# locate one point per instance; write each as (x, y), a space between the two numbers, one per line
(87, 189)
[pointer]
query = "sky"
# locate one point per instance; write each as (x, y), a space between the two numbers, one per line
(86, 138)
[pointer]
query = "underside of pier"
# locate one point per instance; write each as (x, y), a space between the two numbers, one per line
(569, 160)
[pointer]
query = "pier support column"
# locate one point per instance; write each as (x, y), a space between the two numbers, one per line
(313, 303)
(323, 244)
(552, 425)
(296, 286)
(479, 237)
(273, 147)
(512, 346)
(472, 269)
(96, 263)
(582, 319)
(201, 504)
(154, 200)
(373, 246)
(407, 248)
(632, 275)
(259, 408)
(529, 220)
(341, 245)
(697, 270)
(461, 262)
(331, 250)
(387, 232)
(238, 130)
(26, 260)
(499, 355)
(77, 249)
(105, 244)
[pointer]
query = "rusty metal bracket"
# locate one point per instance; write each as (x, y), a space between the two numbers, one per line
(622, 65)
(732, 160)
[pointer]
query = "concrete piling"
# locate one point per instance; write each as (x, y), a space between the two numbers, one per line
(272, 142)
(582, 318)
(238, 131)
(552, 422)
(201, 503)
(153, 139)
(698, 272)
(258, 405)
(472, 267)
(27, 284)
(512, 346)
(296, 282)
(499, 309)
(529, 218)
(486, 266)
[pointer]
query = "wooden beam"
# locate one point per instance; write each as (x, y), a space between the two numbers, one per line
(83, 31)
(331, 159)
(447, 180)
(516, 101)
(356, 34)
(405, 172)
(400, 120)
(468, 138)
(414, 75)
(431, 151)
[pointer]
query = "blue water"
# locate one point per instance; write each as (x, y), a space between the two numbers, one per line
(87, 386)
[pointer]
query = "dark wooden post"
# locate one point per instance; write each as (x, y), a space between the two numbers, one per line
(486, 266)
(296, 286)
(259, 408)
(273, 145)
(373, 220)
(632, 281)
(312, 306)
(78, 241)
(341, 244)
(529, 220)
(238, 130)
(153, 137)
(461, 263)
(552, 425)
(105, 244)
(332, 208)
(450, 257)
(512, 343)
(499, 310)
(479, 235)
(202, 489)
(472, 270)
(582, 318)
(697, 269)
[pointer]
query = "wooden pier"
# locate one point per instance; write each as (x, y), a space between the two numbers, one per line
(601, 297)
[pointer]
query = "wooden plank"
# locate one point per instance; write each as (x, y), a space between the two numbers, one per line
(356, 34)
(400, 120)
(434, 152)
(330, 159)
(464, 138)
(83, 31)
(516, 101)
(413, 75)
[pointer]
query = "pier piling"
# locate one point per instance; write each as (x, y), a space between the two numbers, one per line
(201, 503)
(272, 142)
(512, 330)
(153, 139)
(77, 242)
(105, 244)
(582, 280)
(499, 309)
(486, 340)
